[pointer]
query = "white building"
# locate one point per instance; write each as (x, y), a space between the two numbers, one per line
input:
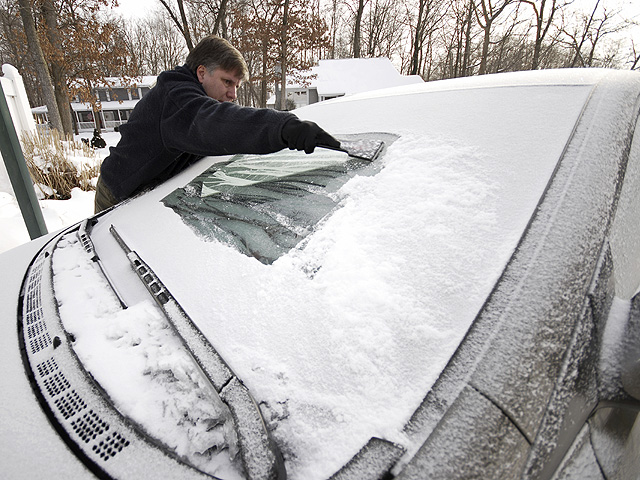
(116, 100)
(329, 79)
(336, 78)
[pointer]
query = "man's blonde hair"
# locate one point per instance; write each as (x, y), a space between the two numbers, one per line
(214, 52)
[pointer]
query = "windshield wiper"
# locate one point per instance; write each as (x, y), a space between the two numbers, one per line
(260, 456)
(84, 237)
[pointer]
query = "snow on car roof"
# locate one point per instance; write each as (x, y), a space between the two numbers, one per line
(564, 77)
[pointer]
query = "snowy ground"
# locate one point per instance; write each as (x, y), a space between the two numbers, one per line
(57, 213)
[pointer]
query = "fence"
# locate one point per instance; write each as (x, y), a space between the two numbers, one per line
(20, 112)
(16, 119)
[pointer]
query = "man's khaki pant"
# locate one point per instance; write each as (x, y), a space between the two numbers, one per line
(104, 197)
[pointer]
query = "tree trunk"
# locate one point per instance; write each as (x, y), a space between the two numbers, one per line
(542, 27)
(57, 66)
(485, 49)
(334, 28)
(283, 62)
(490, 13)
(357, 28)
(42, 72)
(222, 12)
(181, 23)
(185, 25)
(417, 42)
(467, 41)
(264, 82)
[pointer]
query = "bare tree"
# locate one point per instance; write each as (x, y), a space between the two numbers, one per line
(544, 12)
(580, 39)
(283, 57)
(209, 16)
(333, 27)
(429, 16)
(179, 18)
(487, 15)
(468, 18)
(354, 24)
(457, 35)
(42, 72)
(357, 28)
(587, 35)
(636, 57)
(154, 44)
(382, 29)
(57, 63)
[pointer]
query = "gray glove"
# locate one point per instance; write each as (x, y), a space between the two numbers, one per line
(305, 135)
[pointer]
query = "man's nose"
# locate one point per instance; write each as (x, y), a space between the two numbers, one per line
(232, 93)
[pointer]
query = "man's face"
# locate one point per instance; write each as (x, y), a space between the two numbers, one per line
(220, 84)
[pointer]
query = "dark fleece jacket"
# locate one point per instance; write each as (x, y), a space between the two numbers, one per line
(175, 124)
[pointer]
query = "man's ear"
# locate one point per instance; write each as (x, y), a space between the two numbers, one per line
(200, 71)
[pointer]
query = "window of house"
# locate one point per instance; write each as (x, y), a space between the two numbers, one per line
(85, 117)
(110, 115)
(119, 94)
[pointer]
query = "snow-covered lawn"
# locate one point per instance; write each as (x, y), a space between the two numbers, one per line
(57, 213)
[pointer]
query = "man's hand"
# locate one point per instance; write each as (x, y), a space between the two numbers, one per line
(305, 135)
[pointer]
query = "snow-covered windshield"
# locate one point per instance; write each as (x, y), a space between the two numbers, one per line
(341, 337)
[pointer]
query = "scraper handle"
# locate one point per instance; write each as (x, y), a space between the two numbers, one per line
(330, 147)
(362, 149)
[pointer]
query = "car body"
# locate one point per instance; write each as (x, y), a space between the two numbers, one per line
(464, 306)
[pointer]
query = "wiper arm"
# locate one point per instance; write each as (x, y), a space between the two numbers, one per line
(84, 237)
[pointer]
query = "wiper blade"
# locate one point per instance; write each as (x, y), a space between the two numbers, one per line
(84, 237)
(260, 456)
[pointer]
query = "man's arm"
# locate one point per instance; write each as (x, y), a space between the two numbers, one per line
(200, 125)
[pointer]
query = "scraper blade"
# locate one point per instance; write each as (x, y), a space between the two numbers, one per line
(362, 149)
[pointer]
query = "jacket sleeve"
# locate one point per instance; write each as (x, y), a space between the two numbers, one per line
(194, 123)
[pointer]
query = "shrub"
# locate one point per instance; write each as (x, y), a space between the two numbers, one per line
(57, 165)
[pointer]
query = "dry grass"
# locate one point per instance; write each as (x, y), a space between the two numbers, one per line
(57, 165)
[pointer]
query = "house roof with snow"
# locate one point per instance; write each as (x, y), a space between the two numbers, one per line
(126, 82)
(343, 77)
(355, 75)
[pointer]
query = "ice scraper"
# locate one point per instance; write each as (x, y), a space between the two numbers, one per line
(362, 149)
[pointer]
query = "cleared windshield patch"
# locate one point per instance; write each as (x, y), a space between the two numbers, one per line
(265, 205)
(247, 170)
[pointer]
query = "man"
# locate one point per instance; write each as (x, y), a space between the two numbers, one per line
(189, 114)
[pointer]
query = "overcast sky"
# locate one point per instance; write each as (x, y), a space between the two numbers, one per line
(136, 8)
